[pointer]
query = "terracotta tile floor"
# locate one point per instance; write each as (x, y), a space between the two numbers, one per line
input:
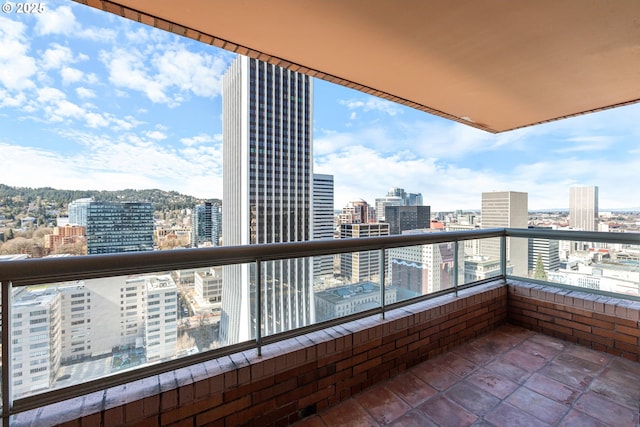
(509, 377)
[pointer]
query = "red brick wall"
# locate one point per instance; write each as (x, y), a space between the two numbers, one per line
(295, 377)
(602, 323)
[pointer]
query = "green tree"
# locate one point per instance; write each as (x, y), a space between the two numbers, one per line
(539, 272)
(10, 234)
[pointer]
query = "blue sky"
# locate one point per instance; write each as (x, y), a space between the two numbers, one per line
(89, 100)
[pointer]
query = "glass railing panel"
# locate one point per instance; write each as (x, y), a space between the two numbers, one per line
(233, 310)
(607, 267)
(295, 294)
(477, 265)
(418, 270)
(67, 333)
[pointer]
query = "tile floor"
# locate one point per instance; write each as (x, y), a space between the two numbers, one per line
(509, 377)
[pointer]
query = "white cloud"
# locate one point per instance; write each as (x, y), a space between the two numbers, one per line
(198, 139)
(16, 67)
(372, 103)
(56, 21)
(85, 93)
(166, 75)
(61, 20)
(49, 94)
(95, 120)
(586, 143)
(156, 135)
(198, 73)
(71, 75)
(56, 57)
(7, 100)
(106, 163)
(127, 69)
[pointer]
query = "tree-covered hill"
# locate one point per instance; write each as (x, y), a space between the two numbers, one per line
(44, 203)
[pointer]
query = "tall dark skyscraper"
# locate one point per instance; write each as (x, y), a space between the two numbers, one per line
(267, 194)
(403, 218)
(119, 227)
(206, 224)
(322, 222)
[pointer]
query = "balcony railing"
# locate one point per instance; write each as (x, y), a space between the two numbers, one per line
(31, 273)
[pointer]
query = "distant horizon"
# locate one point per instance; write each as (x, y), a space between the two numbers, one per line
(336, 208)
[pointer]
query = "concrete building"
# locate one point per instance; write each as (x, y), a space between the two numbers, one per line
(76, 315)
(358, 212)
(35, 340)
(471, 247)
(64, 235)
(160, 318)
(506, 209)
(345, 300)
(361, 266)
(481, 267)
(583, 208)
(267, 193)
(208, 284)
(322, 223)
(423, 269)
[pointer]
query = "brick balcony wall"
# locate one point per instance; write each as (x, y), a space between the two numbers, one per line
(599, 322)
(292, 378)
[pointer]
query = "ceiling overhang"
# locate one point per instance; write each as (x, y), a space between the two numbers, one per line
(495, 65)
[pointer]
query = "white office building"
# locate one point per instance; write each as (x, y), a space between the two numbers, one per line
(160, 322)
(508, 209)
(35, 340)
(583, 208)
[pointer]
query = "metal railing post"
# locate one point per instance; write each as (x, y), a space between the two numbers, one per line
(455, 265)
(503, 257)
(382, 280)
(6, 377)
(259, 306)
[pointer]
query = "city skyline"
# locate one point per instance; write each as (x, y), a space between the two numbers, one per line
(90, 95)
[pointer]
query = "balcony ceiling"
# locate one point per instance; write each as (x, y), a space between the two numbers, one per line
(495, 65)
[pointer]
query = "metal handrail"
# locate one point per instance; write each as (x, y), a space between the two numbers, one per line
(52, 270)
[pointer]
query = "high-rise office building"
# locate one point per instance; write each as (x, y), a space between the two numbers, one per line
(544, 256)
(267, 193)
(78, 211)
(403, 218)
(36, 343)
(206, 224)
(396, 197)
(322, 222)
(119, 227)
(583, 208)
(506, 209)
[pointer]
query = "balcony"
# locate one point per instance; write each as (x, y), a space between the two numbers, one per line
(525, 330)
